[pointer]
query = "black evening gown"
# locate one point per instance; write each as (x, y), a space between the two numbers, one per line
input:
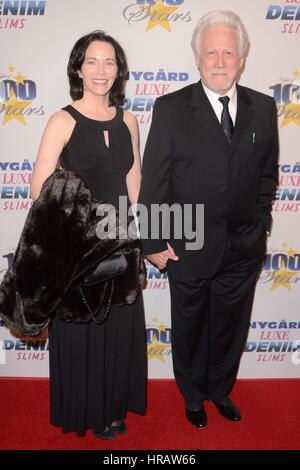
(98, 373)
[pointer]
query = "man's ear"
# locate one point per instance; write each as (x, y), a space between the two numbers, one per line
(79, 74)
(197, 59)
(242, 62)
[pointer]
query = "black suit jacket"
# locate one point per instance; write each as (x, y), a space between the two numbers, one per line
(188, 160)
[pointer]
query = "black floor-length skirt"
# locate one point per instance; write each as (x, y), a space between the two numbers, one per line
(98, 373)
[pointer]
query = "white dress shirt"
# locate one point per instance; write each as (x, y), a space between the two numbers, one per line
(217, 105)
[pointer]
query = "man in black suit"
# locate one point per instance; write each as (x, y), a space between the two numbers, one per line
(213, 143)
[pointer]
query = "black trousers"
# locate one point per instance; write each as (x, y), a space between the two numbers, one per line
(210, 322)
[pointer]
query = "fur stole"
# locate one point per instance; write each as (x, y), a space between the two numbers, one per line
(58, 247)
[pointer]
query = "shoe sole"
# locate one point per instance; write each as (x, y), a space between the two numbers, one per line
(106, 435)
(119, 429)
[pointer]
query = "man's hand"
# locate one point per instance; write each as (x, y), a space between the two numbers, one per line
(160, 259)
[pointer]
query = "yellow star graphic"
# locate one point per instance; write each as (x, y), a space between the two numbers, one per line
(291, 253)
(296, 73)
(19, 79)
(292, 114)
(162, 327)
(11, 69)
(283, 277)
(13, 109)
(155, 350)
(159, 16)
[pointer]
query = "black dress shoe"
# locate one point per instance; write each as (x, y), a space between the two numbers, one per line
(228, 409)
(107, 434)
(197, 418)
(118, 427)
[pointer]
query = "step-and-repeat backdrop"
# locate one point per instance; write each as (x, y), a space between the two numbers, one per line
(35, 41)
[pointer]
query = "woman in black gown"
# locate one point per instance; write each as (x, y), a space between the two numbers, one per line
(97, 373)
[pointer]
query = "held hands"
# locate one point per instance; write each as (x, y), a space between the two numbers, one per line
(160, 259)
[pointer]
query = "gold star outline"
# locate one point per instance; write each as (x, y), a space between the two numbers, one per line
(155, 350)
(283, 277)
(19, 78)
(159, 13)
(13, 109)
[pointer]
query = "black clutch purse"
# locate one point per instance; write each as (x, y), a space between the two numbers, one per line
(110, 267)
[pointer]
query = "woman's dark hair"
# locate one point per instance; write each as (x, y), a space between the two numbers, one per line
(116, 94)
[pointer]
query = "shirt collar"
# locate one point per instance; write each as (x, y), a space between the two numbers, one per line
(214, 97)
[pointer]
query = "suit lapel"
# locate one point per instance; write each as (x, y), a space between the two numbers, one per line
(204, 112)
(243, 116)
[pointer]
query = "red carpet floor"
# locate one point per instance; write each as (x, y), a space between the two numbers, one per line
(270, 411)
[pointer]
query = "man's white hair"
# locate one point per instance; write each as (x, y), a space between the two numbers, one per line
(221, 18)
